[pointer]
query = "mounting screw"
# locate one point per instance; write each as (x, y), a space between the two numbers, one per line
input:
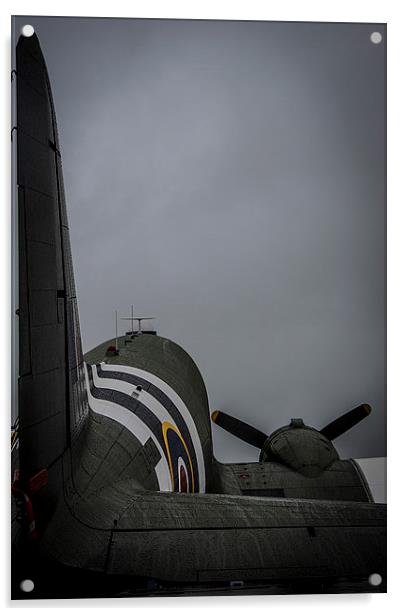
(27, 585)
(27, 30)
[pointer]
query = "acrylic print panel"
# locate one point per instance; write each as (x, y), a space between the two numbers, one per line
(216, 422)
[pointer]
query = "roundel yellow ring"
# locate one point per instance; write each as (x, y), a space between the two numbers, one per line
(168, 426)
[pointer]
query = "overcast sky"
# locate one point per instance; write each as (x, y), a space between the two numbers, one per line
(229, 178)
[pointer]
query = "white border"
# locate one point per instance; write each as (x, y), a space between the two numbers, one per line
(390, 11)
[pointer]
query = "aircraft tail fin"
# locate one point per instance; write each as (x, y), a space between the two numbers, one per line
(52, 400)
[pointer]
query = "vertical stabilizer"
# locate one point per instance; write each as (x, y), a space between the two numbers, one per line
(51, 391)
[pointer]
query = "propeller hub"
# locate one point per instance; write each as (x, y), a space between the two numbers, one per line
(300, 447)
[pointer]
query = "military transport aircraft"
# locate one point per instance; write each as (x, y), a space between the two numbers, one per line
(115, 488)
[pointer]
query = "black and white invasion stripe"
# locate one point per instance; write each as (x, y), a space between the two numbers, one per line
(150, 408)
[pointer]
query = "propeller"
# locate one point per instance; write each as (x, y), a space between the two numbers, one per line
(255, 437)
(239, 428)
(346, 421)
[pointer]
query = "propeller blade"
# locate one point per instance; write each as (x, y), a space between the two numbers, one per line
(346, 421)
(239, 428)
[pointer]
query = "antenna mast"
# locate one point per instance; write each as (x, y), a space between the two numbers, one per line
(116, 330)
